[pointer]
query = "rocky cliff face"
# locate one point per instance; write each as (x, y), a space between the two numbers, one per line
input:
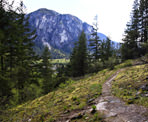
(57, 31)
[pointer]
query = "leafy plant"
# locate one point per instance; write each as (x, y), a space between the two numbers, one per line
(97, 117)
(93, 109)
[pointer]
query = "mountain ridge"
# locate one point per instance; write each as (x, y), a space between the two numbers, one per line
(57, 31)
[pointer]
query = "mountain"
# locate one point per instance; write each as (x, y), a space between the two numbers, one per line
(57, 31)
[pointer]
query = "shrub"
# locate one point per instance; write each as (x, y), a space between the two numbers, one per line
(111, 62)
(95, 66)
(93, 109)
(97, 117)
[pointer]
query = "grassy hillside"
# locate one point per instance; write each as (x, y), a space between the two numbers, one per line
(70, 96)
(55, 53)
(132, 85)
(76, 95)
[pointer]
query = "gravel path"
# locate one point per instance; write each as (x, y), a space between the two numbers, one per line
(115, 110)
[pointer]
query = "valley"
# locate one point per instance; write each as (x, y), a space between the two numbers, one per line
(55, 67)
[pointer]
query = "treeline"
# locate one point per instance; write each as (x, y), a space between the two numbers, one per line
(23, 75)
(102, 54)
(89, 56)
(136, 34)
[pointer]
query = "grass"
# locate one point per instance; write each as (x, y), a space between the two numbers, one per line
(127, 85)
(73, 95)
(127, 63)
(57, 61)
(96, 117)
(60, 61)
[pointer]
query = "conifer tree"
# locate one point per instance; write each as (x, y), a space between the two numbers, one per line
(46, 71)
(24, 55)
(143, 22)
(17, 55)
(130, 49)
(106, 49)
(73, 65)
(136, 35)
(78, 60)
(82, 54)
(6, 22)
(94, 42)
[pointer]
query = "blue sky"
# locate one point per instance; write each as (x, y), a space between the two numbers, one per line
(112, 14)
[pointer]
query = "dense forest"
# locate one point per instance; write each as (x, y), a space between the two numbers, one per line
(136, 34)
(25, 76)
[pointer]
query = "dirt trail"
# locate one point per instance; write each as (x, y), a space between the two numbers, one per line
(114, 109)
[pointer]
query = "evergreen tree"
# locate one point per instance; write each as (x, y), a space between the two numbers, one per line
(78, 60)
(46, 71)
(136, 35)
(130, 49)
(7, 22)
(24, 56)
(106, 49)
(73, 65)
(94, 42)
(82, 54)
(17, 56)
(4, 22)
(143, 22)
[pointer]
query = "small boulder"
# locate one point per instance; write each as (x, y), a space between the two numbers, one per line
(90, 101)
(67, 111)
(77, 115)
(111, 114)
(144, 87)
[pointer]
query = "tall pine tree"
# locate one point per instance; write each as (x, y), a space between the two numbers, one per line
(4, 23)
(136, 35)
(130, 49)
(78, 61)
(106, 49)
(143, 22)
(46, 71)
(17, 56)
(95, 42)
